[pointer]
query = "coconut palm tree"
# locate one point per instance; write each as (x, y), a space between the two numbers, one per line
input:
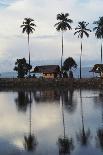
(28, 27)
(99, 31)
(82, 30)
(63, 25)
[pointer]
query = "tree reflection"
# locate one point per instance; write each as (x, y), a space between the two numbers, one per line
(83, 136)
(22, 101)
(65, 144)
(69, 102)
(99, 138)
(30, 141)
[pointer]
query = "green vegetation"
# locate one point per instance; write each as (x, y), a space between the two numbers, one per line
(22, 67)
(82, 30)
(99, 31)
(63, 25)
(68, 65)
(28, 27)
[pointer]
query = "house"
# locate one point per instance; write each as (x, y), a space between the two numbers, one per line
(98, 68)
(48, 71)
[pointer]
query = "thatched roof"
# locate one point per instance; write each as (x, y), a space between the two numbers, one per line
(97, 68)
(47, 69)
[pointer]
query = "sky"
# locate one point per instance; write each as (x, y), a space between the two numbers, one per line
(45, 42)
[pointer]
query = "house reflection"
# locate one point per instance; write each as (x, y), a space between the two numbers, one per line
(65, 144)
(46, 96)
(84, 135)
(30, 141)
(22, 101)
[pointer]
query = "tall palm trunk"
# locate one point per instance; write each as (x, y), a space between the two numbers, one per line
(30, 115)
(81, 62)
(62, 55)
(63, 116)
(82, 116)
(101, 53)
(29, 53)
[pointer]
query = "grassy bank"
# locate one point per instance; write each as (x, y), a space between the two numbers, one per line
(48, 83)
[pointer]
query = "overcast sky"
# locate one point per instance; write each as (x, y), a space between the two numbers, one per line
(45, 42)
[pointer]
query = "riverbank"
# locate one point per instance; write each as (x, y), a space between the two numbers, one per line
(11, 83)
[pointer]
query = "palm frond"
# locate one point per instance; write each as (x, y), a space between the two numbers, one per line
(87, 34)
(57, 24)
(28, 25)
(82, 29)
(99, 28)
(64, 22)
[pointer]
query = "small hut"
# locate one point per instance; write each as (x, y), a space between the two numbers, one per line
(98, 68)
(48, 71)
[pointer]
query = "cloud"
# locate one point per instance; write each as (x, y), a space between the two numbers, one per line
(46, 41)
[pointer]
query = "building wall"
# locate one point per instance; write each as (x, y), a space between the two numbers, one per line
(48, 75)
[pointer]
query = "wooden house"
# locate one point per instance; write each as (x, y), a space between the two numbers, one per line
(98, 68)
(48, 71)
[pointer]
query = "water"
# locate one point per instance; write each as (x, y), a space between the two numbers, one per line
(51, 122)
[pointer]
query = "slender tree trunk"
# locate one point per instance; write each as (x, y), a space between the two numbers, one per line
(62, 56)
(63, 116)
(82, 116)
(81, 62)
(29, 53)
(101, 53)
(30, 115)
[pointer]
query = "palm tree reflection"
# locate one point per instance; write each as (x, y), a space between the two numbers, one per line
(83, 136)
(99, 138)
(30, 141)
(65, 144)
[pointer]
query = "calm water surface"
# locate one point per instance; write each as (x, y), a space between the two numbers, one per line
(51, 122)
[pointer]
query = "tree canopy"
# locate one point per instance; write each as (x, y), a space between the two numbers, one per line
(69, 63)
(22, 67)
(64, 22)
(98, 28)
(28, 25)
(82, 29)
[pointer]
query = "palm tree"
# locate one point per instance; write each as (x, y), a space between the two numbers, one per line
(28, 27)
(63, 25)
(99, 31)
(81, 31)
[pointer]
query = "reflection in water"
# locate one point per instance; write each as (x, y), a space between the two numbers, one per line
(30, 140)
(83, 136)
(22, 101)
(46, 96)
(99, 138)
(69, 102)
(47, 118)
(65, 144)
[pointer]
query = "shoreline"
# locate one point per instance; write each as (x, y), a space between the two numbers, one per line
(33, 83)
